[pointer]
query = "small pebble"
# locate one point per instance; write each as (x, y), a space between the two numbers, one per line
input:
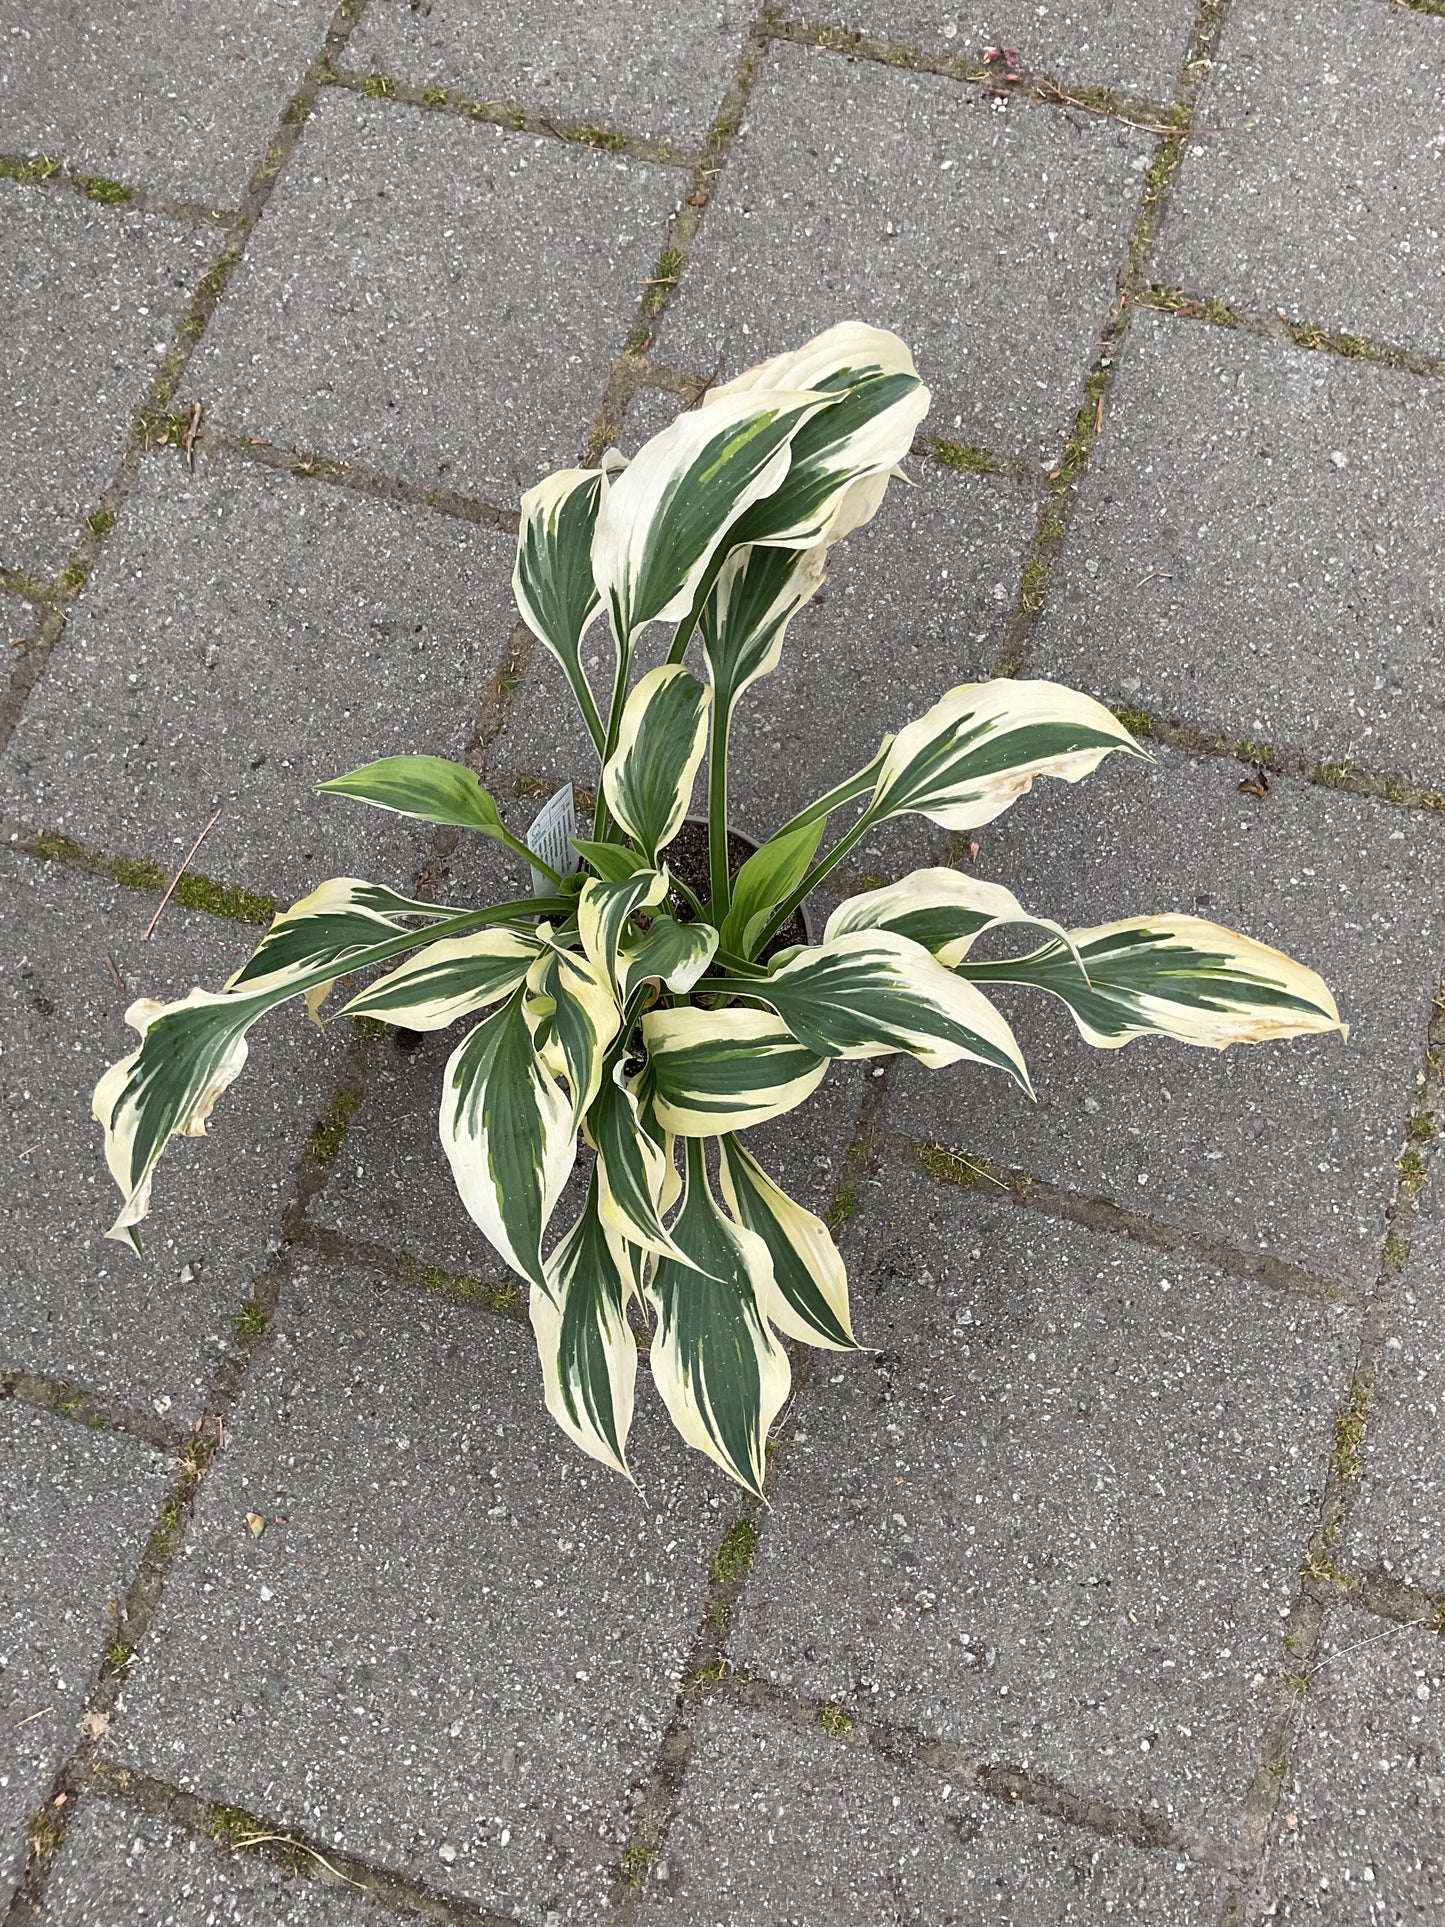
(446, 1851)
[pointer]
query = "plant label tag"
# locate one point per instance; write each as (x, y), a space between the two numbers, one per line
(550, 838)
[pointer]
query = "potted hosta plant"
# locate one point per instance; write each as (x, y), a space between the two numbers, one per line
(658, 1019)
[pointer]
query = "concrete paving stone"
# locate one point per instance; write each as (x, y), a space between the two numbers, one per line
(1254, 550)
(654, 67)
(245, 636)
(1064, 1531)
(118, 1864)
(1324, 198)
(1285, 1147)
(91, 297)
(989, 241)
(1366, 1788)
(76, 1508)
(791, 1827)
(1398, 1518)
(434, 297)
(149, 1331)
(1102, 42)
(182, 96)
(457, 1643)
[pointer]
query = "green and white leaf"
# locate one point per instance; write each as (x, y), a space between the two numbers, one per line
(452, 978)
(722, 1375)
(810, 1300)
(942, 909)
(588, 1354)
(665, 514)
(979, 749)
(573, 1017)
(671, 953)
(552, 580)
(745, 617)
(772, 872)
(712, 1071)
(191, 1050)
(636, 1175)
(873, 992)
(430, 788)
(865, 434)
(508, 1131)
(604, 911)
(1178, 976)
(338, 918)
(648, 778)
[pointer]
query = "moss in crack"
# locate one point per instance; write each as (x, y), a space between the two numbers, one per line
(1138, 722)
(1413, 1170)
(99, 188)
(44, 1831)
(637, 1859)
(962, 456)
(379, 86)
(228, 900)
(1420, 1129)
(1031, 585)
(734, 1555)
(1250, 751)
(836, 1722)
(845, 1202)
(251, 1319)
(1350, 1429)
(949, 1167)
(663, 279)
(32, 168)
(328, 1134)
(434, 96)
(75, 574)
(100, 522)
(1332, 775)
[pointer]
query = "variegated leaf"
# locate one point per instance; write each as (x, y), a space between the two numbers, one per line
(674, 954)
(338, 918)
(979, 749)
(508, 1132)
(745, 617)
(450, 979)
(603, 912)
(712, 1071)
(667, 512)
(873, 992)
(942, 909)
(552, 580)
(572, 1011)
(191, 1050)
(648, 778)
(636, 1174)
(722, 1375)
(865, 434)
(810, 1301)
(1179, 976)
(588, 1354)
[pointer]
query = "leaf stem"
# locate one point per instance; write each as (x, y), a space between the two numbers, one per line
(815, 876)
(717, 809)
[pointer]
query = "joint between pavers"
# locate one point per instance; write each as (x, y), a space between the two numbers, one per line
(1056, 509)
(1267, 759)
(43, 170)
(235, 1830)
(1381, 1593)
(963, 458)
(500, 1297)
(231, 902)
(969, 1170)
(310, 465)
(914, 1753)
(1323, 1579)
(1002, 80)
(512, 116)
(96, 1411)
(1281, 328)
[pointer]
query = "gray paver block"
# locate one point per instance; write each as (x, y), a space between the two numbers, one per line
(75, 1511)
(1254, 550)
(989, 241)
(464, 1634)
(787, 1826)
(648, 66)
(74, 1304)
(1324, 197)
(1398, 1518)
(1285, 1147)
(434, 297)
(1103, 42)
(119, 1865)
(1366, 1788)
(178, 95)
(1056, 1518)
(245, 636)
(91, 298)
